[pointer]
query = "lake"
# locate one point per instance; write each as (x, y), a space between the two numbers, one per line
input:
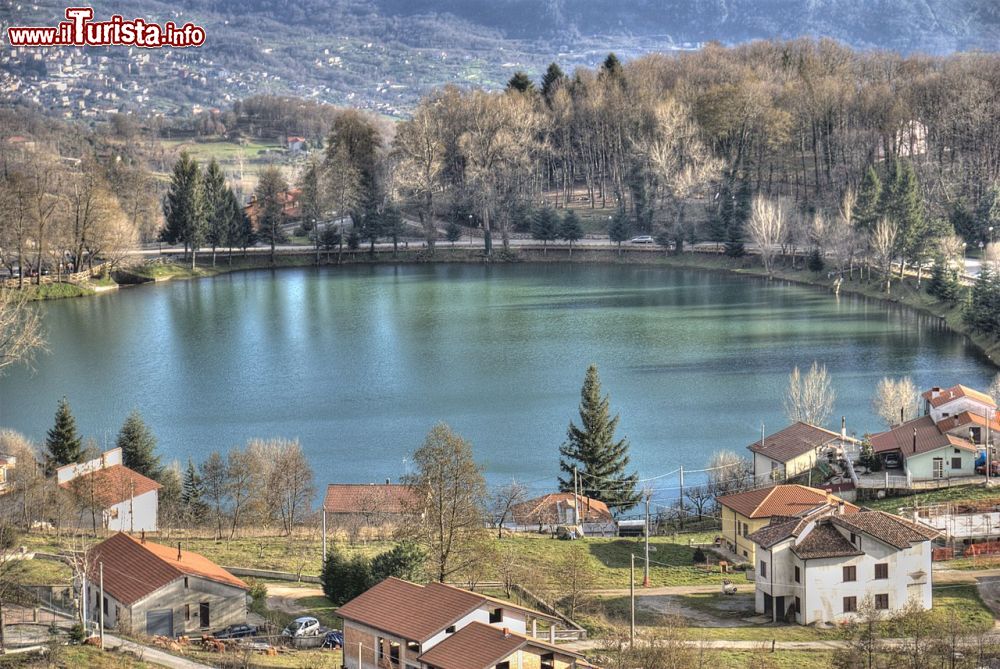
(359, 362)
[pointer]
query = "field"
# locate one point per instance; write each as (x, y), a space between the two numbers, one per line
(958, 494)
(241, 161)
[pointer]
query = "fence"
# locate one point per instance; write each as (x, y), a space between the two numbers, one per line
(75, 277)
(273, 575)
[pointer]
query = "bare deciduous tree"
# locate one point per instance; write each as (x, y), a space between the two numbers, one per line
(810, 398)
(895, 400)
(504, 499)
(766, 229)
(20, 329)
(882, 248)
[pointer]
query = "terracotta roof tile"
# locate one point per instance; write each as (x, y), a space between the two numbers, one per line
(795, 440)
(967, 418)
(112, 485)
(481, 646)
(887, 528)
(133, 569)
(955, 392)
(781, 500)
(365, 497)
(929, 437)
(544, 509)
(824, 541)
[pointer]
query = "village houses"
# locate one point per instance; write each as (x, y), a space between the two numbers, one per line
(153, 589)
(797, 449)
(823, 566)
(121, 499)
(438, 626)
(548, 512)
(744, 513)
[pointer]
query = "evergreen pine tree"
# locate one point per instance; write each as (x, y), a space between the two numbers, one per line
(191, 494)
(184, 207)
(216, 214)
(945, 284)
(619, 229)
(62, 444)
(139, 447)
(907, 209)
(570, 229)
(545, 227)
(600, 460)
(453, 231)
(867, 208)
(551, 80)
(521, 83)
(270, 194)
(987, 215)
(983, 310)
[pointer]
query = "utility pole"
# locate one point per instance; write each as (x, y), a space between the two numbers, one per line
(576, 498)
(359, 655)
(645, 574)
(101, 603)
(681, 500)
(631, 597)
(324, 535)
(84, 602)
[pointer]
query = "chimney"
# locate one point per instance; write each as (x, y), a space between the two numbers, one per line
(843, 428)
(387, 481)
(914, 440)
(935, 391)
(178, 551)
(840, 508)
(142, 537)
(506, 633)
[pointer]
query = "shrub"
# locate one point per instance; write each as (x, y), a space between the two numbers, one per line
(699, 556)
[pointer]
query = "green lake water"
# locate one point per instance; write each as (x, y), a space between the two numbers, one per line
(359, 362)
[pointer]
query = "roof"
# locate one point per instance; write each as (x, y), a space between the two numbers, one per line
(781, 500)
(929, 437)
(795, 440)
(967, 418)
(416, 612)
(955, 392)
(134, 568)
(543, 509)
(887, 528)
(366, 497)
(824, 541)
(113, 485)
(481, 646)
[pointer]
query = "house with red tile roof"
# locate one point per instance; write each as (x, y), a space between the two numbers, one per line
(823, 566)
(399, 623)
(940, 403)
(796, 449)
(548, 512)
(746, 512)
(116, 497)
(481, 646)
(925, 452)
(372, 507)
(152, 589)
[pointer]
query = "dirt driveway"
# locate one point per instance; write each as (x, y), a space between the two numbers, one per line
(283, 597)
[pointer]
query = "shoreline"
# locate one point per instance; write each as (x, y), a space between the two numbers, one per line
(904, 293)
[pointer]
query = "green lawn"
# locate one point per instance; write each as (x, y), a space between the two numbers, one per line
(43, 572)
(73, 657)
(57, 291)
(968, 493)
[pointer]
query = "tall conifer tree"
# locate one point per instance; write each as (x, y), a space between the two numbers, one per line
(62, 444)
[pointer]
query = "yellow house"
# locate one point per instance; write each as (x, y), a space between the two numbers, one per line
(795, 450)
(744, 513)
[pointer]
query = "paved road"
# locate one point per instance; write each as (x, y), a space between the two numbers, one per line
(152, 655)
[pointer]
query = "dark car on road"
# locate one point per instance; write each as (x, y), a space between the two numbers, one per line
(236, 632)
(333, 639)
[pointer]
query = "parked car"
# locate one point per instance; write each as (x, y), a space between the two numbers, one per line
(333, 639)
(641, 239)
(304, 626)
(892, 460)
(236, 632)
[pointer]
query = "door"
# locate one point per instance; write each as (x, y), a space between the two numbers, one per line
(779, 608)
(204, 617)
(160, 622)
(768, 603)
(938, 471)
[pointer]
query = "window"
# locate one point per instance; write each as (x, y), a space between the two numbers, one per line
(763, 569)
(956, 463)
(746, 530)
(850, 604)
(105, 605)
(394, 653)
(185, 581)
(548, 661)
(503, 665)
(958, 451)
(496, 616)
(414, 646)
(882, 602)
(854, 538)
(798, 606)
(745, 554)
(381, 648)
(450, 630)
(187, 613)
(798, 575)
(204, 619)
(882, 570)
(850, 574)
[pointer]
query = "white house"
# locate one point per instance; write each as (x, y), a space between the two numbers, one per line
(7, 464)
(925, 452)
(126, 500)
(823, 567)
(151, 589)
(948, 402)
(796, 449)
(415, 626)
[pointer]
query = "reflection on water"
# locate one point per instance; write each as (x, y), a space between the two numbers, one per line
(359, 362)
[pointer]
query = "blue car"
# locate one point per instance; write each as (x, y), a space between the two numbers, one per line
(333, 639)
